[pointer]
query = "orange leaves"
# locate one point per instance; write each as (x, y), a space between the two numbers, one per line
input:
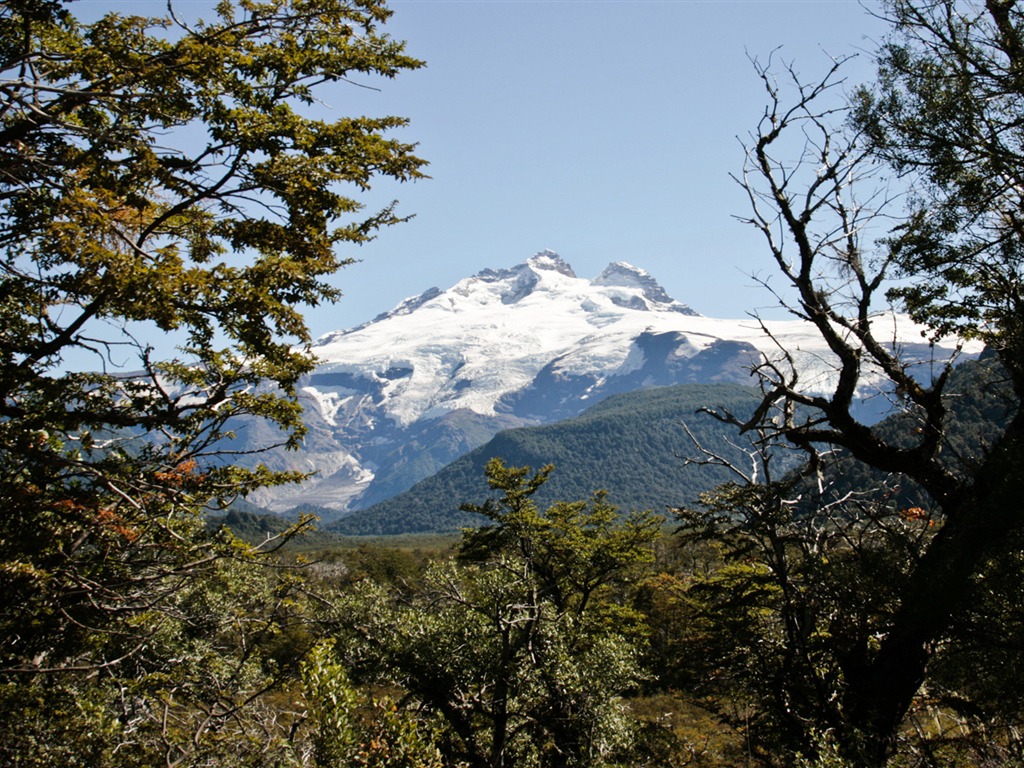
(106, 518)
(111, 520)
(184, 474)
(912, 514)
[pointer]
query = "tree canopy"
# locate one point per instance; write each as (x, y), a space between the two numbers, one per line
(524, 646)
(161, 176)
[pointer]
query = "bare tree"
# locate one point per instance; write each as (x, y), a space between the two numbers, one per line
(818, 191)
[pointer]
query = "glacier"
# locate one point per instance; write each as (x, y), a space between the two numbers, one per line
(396, 398)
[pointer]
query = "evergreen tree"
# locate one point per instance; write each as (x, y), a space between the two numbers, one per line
(525, 647)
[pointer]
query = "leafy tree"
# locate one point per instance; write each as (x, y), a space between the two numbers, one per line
(344, 736)
(945, 115)
(791, 607)
(521, 648)
(185, 682)
(159, 177)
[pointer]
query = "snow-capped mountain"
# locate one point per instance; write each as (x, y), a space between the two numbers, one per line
(396, 398)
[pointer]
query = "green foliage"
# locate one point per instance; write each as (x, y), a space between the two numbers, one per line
(976, 710)
(574, 550)
(180, 681)
(331, 703)
(788, 588)
(790, 609)
(944, 113)
(266, 530)
(523, 647)
(160, 175)
(389, 564)
(633, 444)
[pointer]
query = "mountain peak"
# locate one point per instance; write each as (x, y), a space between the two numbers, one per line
(519, 281)
(549, 260)
(400, 396)
(624, 275)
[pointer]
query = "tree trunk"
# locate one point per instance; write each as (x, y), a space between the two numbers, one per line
(979, 522)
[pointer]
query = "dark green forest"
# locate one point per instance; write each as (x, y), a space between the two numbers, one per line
(848, 594)
(633, 445)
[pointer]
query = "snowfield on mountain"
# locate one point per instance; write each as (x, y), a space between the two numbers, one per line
(395, 399)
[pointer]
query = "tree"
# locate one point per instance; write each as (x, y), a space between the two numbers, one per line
(160, 177)
(802, 581)
(342, 737)
(945, 117)
(523, 648)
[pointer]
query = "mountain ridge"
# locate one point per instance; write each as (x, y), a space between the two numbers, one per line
(393, 400)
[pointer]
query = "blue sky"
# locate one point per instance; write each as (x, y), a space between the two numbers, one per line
(605, 130)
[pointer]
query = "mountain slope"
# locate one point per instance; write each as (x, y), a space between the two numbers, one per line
(395, 399)
(634, 445)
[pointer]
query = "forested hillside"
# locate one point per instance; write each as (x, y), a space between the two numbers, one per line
(633, 445)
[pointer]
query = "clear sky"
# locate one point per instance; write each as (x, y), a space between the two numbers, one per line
(605, 130)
